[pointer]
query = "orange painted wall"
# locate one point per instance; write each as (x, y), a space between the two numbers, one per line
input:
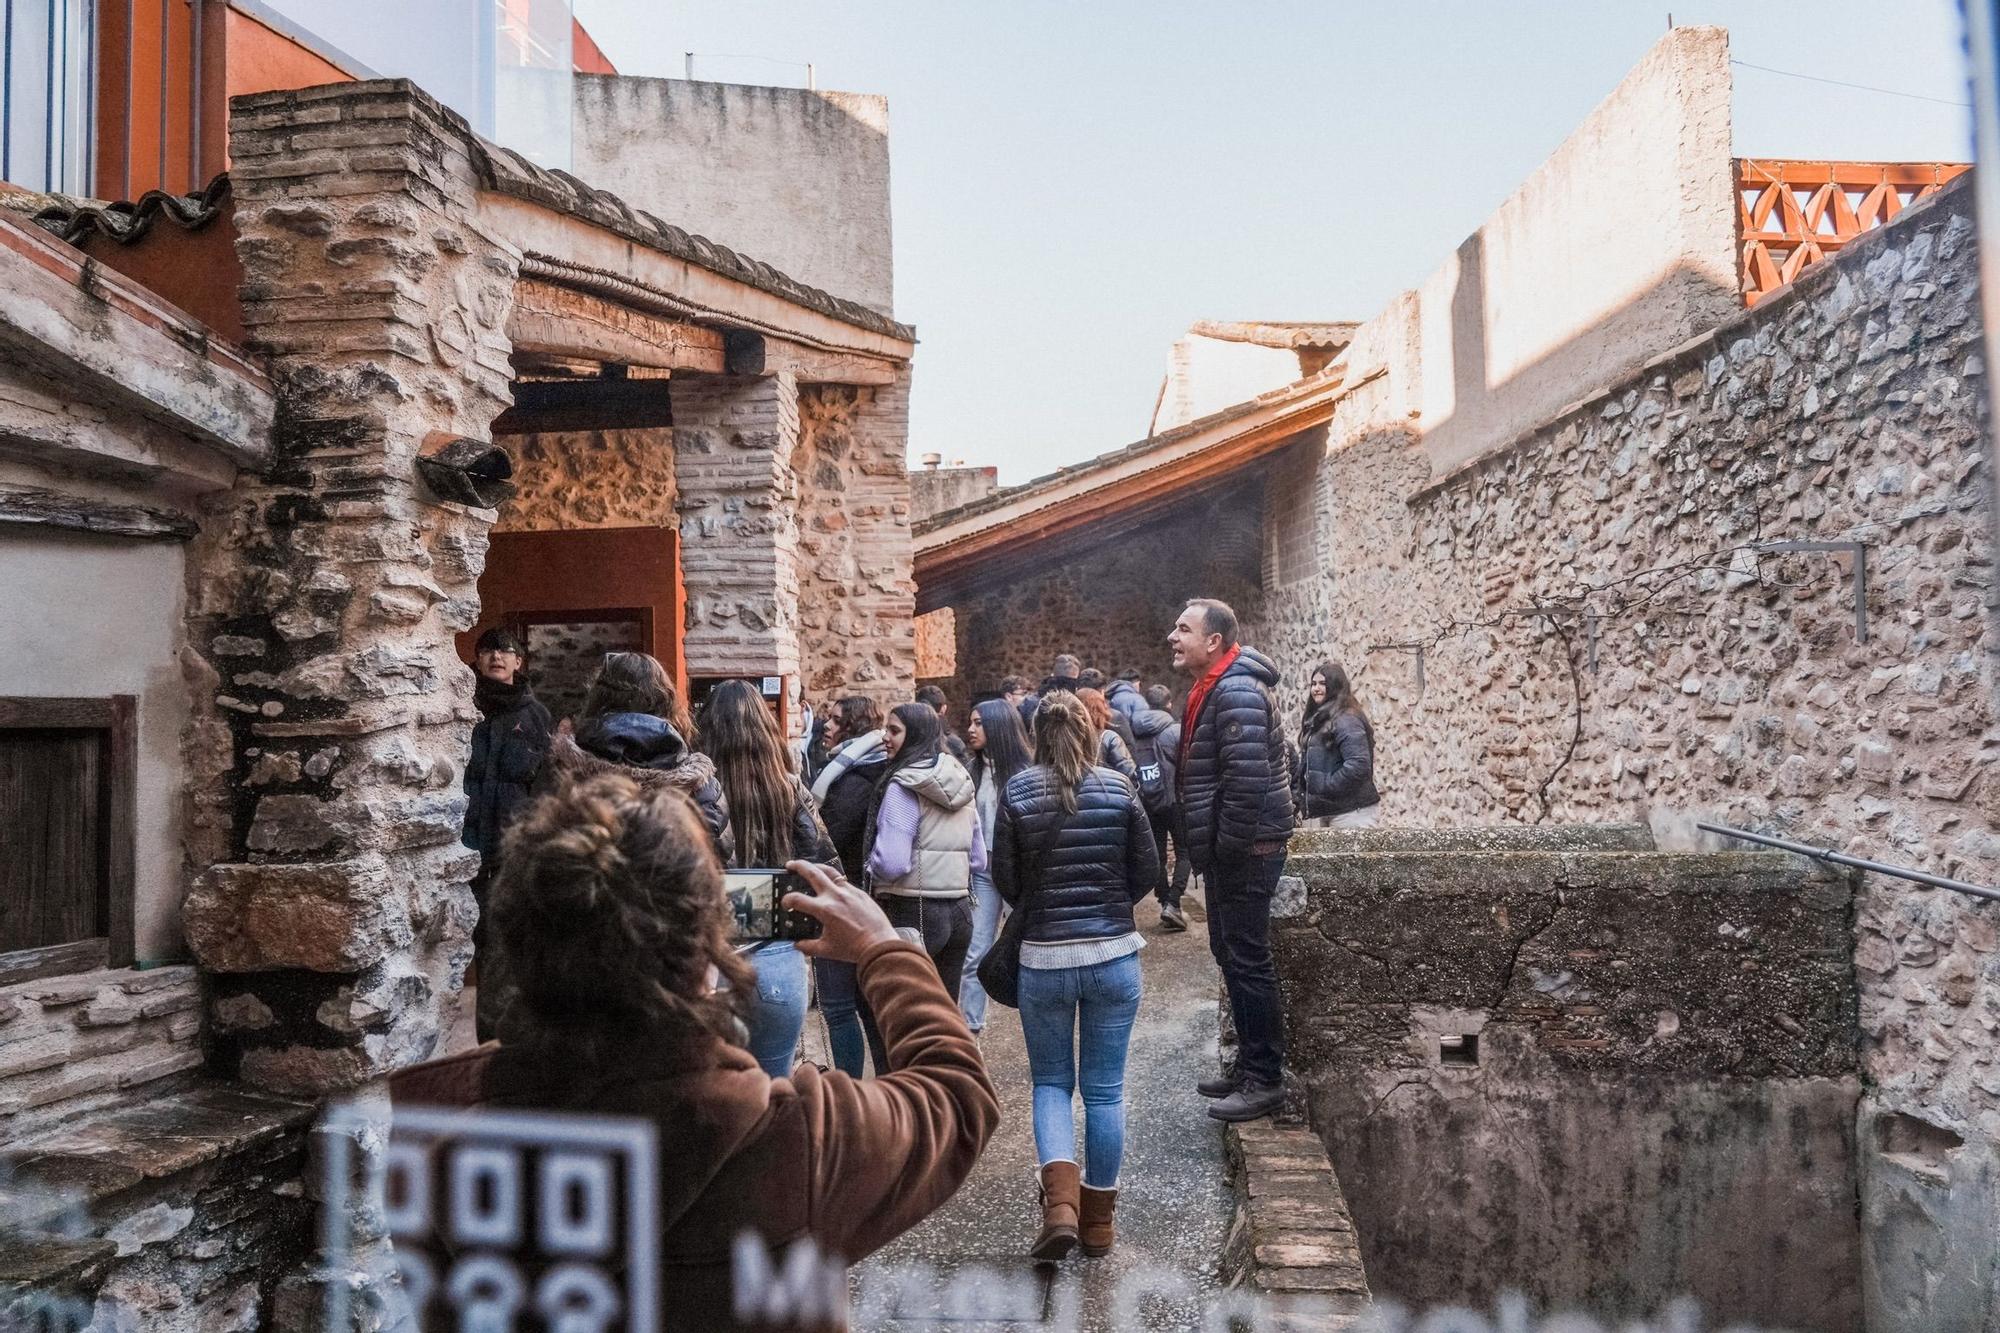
(584, 53)
(263, 61)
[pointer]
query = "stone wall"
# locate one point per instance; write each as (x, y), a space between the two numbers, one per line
(591, 479)
(69, 1045)
(1112, 605)
(330, 723)
(1564, 1072)
(857, 599)
(936, 489)
(1725, 683)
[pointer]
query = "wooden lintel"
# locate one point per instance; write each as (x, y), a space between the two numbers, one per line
(812, 366)
(34, 506)
(549, 320)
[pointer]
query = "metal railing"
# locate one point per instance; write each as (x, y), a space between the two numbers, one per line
(1842, 859)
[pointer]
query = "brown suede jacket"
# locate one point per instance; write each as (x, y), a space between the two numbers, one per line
(852, 1163)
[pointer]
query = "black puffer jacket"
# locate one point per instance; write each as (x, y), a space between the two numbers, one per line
(1235, 787)
(1101, 863)
(1336, 766)
(508, 747)
(651, 746)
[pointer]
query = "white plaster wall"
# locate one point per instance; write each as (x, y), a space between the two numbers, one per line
(89, 616)
(1620, 246)
(795, 178)
(1205, 375)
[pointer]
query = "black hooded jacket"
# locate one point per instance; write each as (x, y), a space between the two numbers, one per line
(1235, 788)
(1336, 765)
(650, 744)
(509, 744)
(1101, 862)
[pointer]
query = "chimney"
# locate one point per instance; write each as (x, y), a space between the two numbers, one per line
(930, 461)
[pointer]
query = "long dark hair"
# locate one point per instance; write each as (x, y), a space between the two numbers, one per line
(1006, 750)
(923, 743)
(740, 735)
(1339, 699)
(635, 683)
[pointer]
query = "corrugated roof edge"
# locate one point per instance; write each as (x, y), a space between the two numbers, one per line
(1006, 495)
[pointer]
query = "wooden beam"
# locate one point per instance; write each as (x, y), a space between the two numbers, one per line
(54, 960)
(32, 506)
(550, 320)
(563, 405)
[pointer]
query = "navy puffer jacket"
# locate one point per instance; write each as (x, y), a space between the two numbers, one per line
(1336, 765)
(1101, 863)
(1236, 786)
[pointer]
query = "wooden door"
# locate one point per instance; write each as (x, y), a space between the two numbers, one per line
(620, 587)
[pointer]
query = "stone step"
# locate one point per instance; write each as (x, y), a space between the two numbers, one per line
(1293, 1245)
(1485, 838)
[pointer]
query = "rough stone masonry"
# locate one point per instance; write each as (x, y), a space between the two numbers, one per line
(1711, 680)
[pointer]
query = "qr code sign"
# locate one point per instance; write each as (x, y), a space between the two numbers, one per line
(497, 1222)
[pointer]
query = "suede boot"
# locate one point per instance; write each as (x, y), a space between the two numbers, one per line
(1095, 1231)
(1060, 1183)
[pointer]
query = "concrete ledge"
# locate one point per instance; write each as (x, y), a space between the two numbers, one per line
(1488, 838)
(1292, 1245)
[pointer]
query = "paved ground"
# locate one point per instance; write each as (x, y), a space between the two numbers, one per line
(966, 1267)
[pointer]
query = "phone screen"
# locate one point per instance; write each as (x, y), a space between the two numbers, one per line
(755, 900)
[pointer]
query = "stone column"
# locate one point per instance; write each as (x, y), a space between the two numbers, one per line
(734, 442)
(860, 606)
(329, 906)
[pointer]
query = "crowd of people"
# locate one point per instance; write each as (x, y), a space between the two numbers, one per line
(953, 860)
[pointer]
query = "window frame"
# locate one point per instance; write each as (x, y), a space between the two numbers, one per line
(115, 719)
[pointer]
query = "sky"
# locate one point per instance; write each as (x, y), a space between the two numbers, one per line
(1074, 182)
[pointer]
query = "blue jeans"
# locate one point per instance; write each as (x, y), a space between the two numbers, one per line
(839, 987)
(987, 905)
(1102, 1002)
(778, 1014)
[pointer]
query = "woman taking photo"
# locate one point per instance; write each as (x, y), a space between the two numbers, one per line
(845, 788)
(1074, 851)
(925, 845)
(999, 746)
(1336, 778)
(774, 820)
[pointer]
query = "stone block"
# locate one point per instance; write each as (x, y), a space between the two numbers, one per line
(334, 916)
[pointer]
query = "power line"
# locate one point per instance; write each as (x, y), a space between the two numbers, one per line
(1842, 83)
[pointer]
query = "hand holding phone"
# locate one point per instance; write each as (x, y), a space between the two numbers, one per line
(757, 901)
(852, 923)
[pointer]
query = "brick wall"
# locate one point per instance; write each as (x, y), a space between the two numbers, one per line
(1727, 684)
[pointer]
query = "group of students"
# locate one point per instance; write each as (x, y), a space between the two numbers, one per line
(604, 946)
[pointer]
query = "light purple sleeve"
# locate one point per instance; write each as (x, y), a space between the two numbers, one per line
(895, 850)
(980, 861)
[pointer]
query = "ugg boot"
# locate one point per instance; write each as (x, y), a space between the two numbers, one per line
(1060, 1182)
(1094, 1227)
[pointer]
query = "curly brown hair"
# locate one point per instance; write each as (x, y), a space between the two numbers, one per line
(635, 683)
(610, 912)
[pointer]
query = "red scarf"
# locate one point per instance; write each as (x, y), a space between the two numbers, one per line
(1196, 698)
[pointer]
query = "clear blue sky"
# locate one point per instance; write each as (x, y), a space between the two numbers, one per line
(1074, 183)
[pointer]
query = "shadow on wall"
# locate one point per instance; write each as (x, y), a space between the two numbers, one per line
(1112, 604)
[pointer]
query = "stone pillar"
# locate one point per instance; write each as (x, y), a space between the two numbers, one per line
(734, 442)
(859, 607)
(329, 907)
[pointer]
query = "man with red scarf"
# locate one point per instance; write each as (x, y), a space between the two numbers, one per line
(1236, 797)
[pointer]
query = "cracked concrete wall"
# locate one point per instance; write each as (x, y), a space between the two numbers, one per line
(1603, 1078)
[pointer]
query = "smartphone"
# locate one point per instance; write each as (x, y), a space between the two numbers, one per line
(756, 900)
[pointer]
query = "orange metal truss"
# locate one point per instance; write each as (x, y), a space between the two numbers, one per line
(1793, 214)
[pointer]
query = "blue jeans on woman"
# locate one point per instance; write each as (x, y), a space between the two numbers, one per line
(1101, 1002)
(778, 1014)
(840, 1005)
(987, 905)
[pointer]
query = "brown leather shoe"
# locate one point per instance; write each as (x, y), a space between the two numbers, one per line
(1095, 1231)
(1060, 1183)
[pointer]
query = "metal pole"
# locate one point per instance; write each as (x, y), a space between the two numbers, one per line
(7, 101)
(1842, 859)
(812, 78)
(690, 66)
(49, 126)
(194, 105)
